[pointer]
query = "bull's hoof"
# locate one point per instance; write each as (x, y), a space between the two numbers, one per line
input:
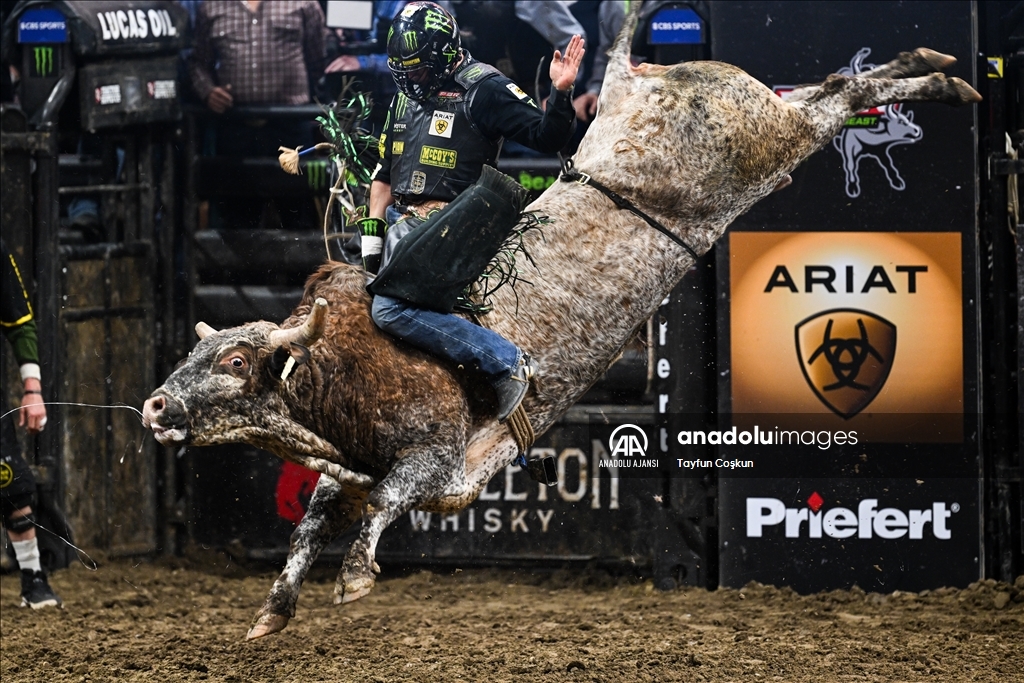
(936, 60)
(784, 183)
(964, 92)
(354, 588)
(266, 624)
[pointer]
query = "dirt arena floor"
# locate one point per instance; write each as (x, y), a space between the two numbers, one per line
(185, 620)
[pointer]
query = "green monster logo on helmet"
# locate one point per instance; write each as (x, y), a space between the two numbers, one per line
(435, 21)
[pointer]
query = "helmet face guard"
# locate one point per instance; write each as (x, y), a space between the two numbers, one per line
(423, 49)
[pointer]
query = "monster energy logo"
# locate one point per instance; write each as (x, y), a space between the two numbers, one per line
(400, 105)
(435, 21)
(316, 174)
(44, 60)
(409, 40)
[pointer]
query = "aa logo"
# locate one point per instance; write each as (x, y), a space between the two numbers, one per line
(846, 355)
(627, 441)
(6, 475)
(44, 61)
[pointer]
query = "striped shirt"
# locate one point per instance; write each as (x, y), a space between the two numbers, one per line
(267, 56)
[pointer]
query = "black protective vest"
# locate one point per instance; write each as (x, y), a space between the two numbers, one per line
(436, 149)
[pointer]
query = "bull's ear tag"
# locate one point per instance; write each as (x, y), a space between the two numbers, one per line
(286, 359)
(288, 367)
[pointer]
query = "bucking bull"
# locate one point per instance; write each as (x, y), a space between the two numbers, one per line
(692, 145)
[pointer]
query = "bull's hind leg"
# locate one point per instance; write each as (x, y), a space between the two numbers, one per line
(422, 473)
(839, 97)
(332, 510)
(920, 62)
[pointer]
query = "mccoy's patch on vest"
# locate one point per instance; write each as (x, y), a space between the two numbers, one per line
(441, 124)
(436, 156)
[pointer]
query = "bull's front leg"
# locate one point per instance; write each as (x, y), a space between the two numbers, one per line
(421, 474)
(332, 510)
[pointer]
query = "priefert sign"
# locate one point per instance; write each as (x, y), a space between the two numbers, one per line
(839, 522)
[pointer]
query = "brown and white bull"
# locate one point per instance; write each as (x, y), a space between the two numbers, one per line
(693, 145)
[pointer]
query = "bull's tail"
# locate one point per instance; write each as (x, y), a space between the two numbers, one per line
(618, 56)
(619, 76)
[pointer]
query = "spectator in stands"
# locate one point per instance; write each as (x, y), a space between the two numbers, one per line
(254, 52)
(460, 109)
(17, 483)
(611, 16)
(364, 54)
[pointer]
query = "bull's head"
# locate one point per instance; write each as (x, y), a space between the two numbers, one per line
(231, 387)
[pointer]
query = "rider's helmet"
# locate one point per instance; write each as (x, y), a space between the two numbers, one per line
(423, 48)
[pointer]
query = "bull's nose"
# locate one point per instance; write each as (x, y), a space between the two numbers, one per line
(162, 410)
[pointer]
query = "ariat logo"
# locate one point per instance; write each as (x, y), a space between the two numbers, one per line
(846, 355)
(6, 475)
(441, 124)
(517, 91)
(44, 61)
(316, 174)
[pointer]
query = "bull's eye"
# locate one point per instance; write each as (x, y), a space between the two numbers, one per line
(180, 363)
(235, 361)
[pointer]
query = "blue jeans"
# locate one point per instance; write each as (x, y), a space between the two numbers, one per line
(448, 336)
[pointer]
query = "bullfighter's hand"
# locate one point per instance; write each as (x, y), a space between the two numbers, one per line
(565, 67)
(220, 99)
(585, 106)
(32, 414)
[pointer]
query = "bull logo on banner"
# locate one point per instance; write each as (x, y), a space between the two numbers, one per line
(846, 355)
(871, 134)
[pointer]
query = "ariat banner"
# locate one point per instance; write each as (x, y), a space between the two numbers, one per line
(852, 327)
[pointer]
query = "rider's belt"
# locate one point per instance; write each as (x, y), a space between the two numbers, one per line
(421, 209)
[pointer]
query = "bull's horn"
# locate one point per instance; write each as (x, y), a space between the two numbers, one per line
(307, 333)
(202, 329)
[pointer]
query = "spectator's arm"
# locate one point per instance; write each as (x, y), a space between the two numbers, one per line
(377, 63)
(552, 20)
(314, 50)
(200, 62)
(610, 16)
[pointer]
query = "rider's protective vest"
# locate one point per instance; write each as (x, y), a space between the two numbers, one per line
(436, 149)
